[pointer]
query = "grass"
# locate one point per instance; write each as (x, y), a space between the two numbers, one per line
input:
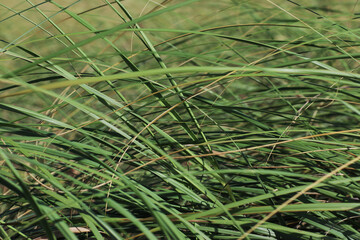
(180, 120)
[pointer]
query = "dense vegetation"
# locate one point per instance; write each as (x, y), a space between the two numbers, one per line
(224, 119)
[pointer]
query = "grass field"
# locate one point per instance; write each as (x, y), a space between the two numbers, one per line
(188, 119)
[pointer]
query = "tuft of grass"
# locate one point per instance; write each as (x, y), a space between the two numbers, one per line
(179, 120)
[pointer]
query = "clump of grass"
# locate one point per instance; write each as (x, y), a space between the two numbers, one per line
(180, 120)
